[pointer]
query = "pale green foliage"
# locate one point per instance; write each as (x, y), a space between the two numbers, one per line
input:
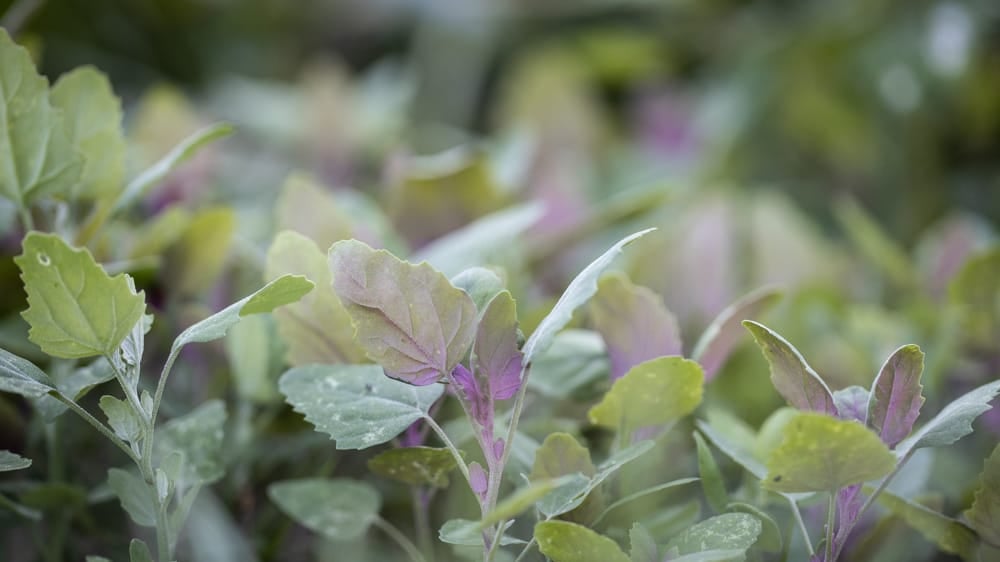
(198, 436)
(563, 541)
(728, 532)
(416, 466)
(468, 533)
(984, 515)
(12, 461)
(135, 496)
(480, 283)
(20, 376)
(948, 534)
(338, 509)
(306, 207)
(711, 479)
(722, 335)
(520, 500)
(953, 422)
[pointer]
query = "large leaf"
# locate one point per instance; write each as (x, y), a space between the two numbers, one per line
(316, 329)
(12, 461)
(497, 357)
(338, 509)
(74, 308)
(576, 294)
(93, 117)
(729, 531)
(953, 422)
(948, 534)
(36, 155)
(562, 541)
(821, 453)
(417, 466)
(653, 393)
(20, 376)
(895, 399)
(356, 404)
(198, 436)
(634, 322)
(984, 515)
(793, 378)
(722, 335)
(409, 318)
(251, 359)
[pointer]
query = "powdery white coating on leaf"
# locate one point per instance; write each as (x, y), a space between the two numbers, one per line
(896, 397)
(199, 436)
(729, 531)
(467, 533)
(338, 509)
(409, 318)
(792, 377)
(20, 376)
(356, 404)
(953, 422)
(722, 335)
(12, 461)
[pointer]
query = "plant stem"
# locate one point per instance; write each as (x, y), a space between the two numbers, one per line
(94, 422)
(831, 514)
(27, 221)
(406, 544)
(525, 550)
(802, 525)
(464, 468)
(421, 520)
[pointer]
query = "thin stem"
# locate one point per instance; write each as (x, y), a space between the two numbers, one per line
(525, 550)
(831, 514)
(464, 468)
(406, 544)
(421, 520)
(164, 548)
(94, 422)
(27, 221)
(147, 444)
(802, 525)
(129, 392)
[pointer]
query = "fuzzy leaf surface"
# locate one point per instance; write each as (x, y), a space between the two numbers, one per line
(954, 421)
(792, 377)
(20, 376)
(198, 436)
(729, 531)
(948, 534)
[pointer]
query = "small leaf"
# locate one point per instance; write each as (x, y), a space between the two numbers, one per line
(852, 403)
(729, 531)
(198, 435)
(20, 376)
(561, 455)
(642, 546)
(948, 534)
(896, 397)
(135, 496)
(283, 290)
(480, 284)
(722, 335)
(121, 418)
(770, 536)
(953, 422)
(634, 322)
(653, 393)
(468, 533)
(74, 385)
(711, 478)
(793, 378)
(356, 404)
(579, 291)
(317, 328)
(497, 358)
(12, 461)
(984, 515)
(338, 509)
(821, 453)
(139, 552)
(74, 308)
(521, 500)
(417, 466)
(409, 318)
(562, 541)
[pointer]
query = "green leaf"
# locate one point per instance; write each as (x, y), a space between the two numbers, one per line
(177, 156)
(249, 352)
(409, 318)
(579, 291)
(468, 533)
(139, 552)
(561, 455)
(948, 534)
(316, 329)
(198, 257)
(74, 308)
(823, 454)
(283, 290)
(338, 509)
(20, 376)
(198, 435)
(793, 378)
(642, 546)
(874, 244)
(93, 119)
(648, 491)
(984, 515)
(575, 359)
(480, 283)
(162, 231)
(562, 541)
(953, 422)
(121, 418)
(722, 335)
(75, 385)
(634, 322)
(356, 404)
(36, 155)
(653, 393)
(93, 558)
(738, 450)
(729, 531)
(711, 478)
(976, 291)
(308, 208)
(417, 466)
(12, 461)
(895, 399)
(520, 500)
(714, 555)
(770, 536)
(135, 496)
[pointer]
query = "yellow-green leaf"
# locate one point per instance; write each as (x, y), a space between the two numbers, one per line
(416, 466)
(306, 207)
(562, 541)
(200, 254)
(984, 515)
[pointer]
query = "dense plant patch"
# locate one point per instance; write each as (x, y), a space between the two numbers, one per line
(450, 376)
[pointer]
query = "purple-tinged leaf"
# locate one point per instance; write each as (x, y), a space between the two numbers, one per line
(478, 480)
(896, 397)
(634, 322)
(852, 403)
(475, 397)
(409, 318)
(792, 377)
(722, 335)
(497, 358)
(849, 502)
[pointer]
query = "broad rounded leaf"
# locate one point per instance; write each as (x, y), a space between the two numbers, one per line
(821, 453)
(895, 399)
(356, 404)
(417, 466)
(409, 318)
(135, 496)
(653, 393)
(12, 461)
(74, 308)
(722, 335)
(20, 376)
(793, 378)
(770, 536)
(984, 515)
(562, 541)
(953, 422)
(338, 509)
(729, 531)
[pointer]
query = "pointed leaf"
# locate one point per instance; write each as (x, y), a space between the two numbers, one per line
(711, 478)
(653, 393)
(852, 403)
(417, 466)
(356, 404)
(197, 435)
(821, 453)
(739, 451)
(135, 496)
(338, 509)
(316, 329)
(896, 397)
(984, 514)
(792, 377)
(634, 322)
(562, 541)
(497, 358)
(74, 308)
(948, 534)
(409, 318)
(12, 461)
(642, 546)
(138, 551)
(579, 291)
(722, 335)
(953, 422)
(36, 156)
(20, 376)
(729, 531)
